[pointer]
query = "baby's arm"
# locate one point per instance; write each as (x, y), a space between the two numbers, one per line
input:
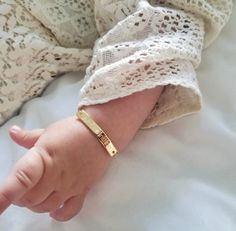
(158, 44)
(65, 160)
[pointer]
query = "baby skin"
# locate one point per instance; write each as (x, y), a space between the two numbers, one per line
(65, 159)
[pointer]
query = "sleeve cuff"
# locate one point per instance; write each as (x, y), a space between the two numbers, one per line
(180, 97)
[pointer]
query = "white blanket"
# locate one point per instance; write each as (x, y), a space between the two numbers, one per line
(177, 177)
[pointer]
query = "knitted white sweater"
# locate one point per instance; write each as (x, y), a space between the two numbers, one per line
(126, 46)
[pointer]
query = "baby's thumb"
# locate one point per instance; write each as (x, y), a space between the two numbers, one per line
(25, 138)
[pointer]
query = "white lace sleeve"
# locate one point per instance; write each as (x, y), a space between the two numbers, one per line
(145, 44)
(39, 40)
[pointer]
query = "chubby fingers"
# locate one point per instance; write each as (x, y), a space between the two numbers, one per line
(25, 175)
(25, 138)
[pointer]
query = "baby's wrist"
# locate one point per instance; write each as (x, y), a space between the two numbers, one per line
(121, 118)
(110, 124)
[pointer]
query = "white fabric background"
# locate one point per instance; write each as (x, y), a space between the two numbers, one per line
(177, 177)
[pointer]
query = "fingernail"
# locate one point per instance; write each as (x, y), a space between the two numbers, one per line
(15, 129)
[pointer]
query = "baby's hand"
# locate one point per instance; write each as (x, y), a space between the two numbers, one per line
(65, 160)
(62, 163)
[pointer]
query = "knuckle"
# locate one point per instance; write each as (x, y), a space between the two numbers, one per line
(46, 206)
(24, 178)
(40, 209)
(5, 202)
(4, 197)
(19, 204)
(24, 202)
(25, 136)
(43, 208)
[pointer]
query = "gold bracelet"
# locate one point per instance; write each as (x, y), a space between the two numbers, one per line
(101, 135)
